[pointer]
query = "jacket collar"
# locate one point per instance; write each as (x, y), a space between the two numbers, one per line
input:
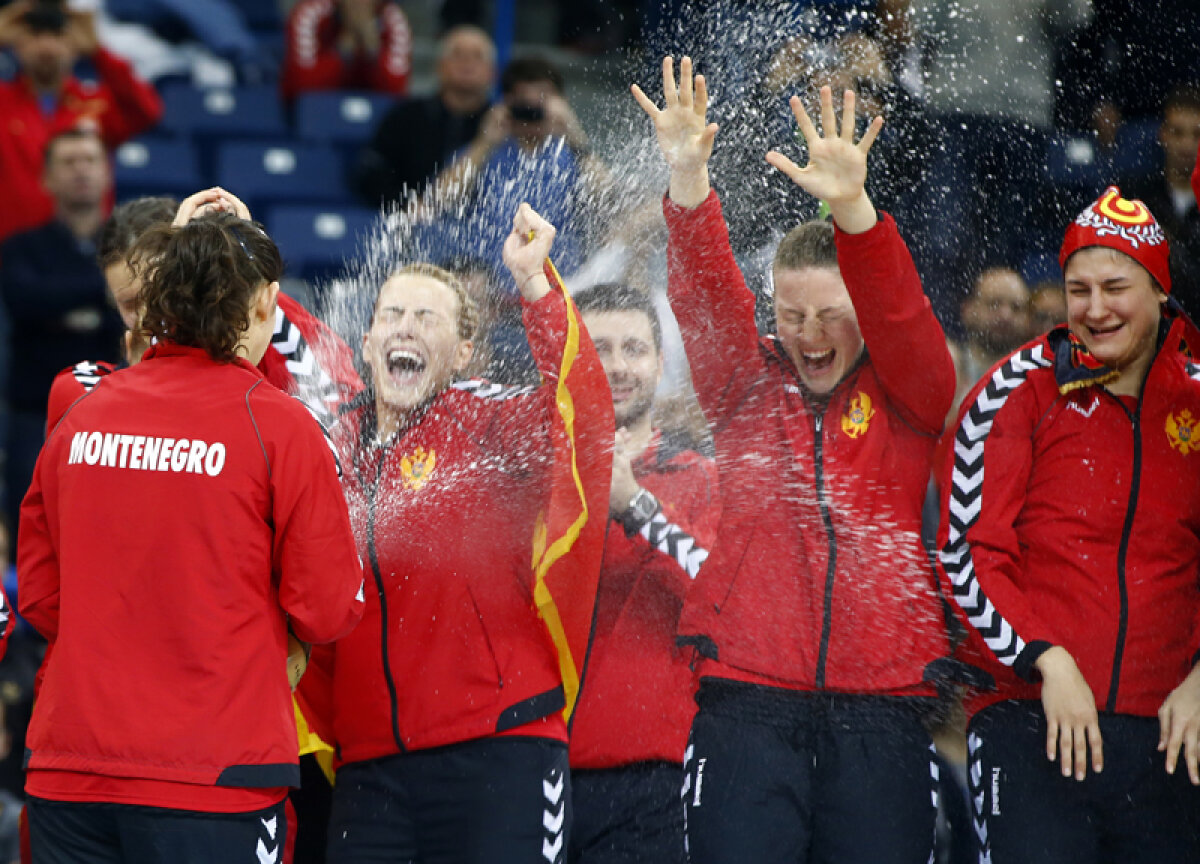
(174, 349)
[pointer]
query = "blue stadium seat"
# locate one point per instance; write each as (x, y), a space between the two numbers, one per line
(263, 173)
(340, 117)
(315, 240)
(241, 112)
(1077, 162)
(156, 166)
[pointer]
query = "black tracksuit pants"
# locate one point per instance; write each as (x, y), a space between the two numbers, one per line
(627, 815)
(489, 801)
(1026, 812)
(87, 833)
(774, 775)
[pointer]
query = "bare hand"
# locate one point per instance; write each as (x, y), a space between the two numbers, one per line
(12, 22)
(495, 127)
(1179, 725)
(525, 252)
(81, 31)
(837, 167)
(562, 122)
(1072, 724)
(685, 136)
(214, 200)
(624, 484)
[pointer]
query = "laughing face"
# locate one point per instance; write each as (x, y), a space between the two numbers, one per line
(413, 347)
(1113, 306)
(817, 325)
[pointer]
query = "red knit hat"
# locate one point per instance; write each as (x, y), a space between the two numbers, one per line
(1127, 226)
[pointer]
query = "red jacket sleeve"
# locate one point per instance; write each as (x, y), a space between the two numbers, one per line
(906, 343)
(315, 560)
(134, 106)
(713, 306)
(981, 561)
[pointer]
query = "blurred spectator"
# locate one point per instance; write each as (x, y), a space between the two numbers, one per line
(53, 294)
(1047, 307)
(397, 163)
(346, 45)
(1127, 60)
(991, 86)
(45, 99)
(530, 148)
(1169, 195)
(995, 317)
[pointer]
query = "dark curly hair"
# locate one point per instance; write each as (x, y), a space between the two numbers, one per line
(200, 280)
(128, 222)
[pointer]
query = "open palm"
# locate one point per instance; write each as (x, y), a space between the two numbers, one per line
(837, 166)
(684, 135)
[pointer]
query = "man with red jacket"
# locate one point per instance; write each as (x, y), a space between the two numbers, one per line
(630, 731)
(478, 511)
(816, 615)
(46, 99)
(1070, 539)
(347, 45)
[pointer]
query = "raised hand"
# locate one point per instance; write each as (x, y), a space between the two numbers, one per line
(213, 200)
(837, 166)
(525, 251)
(12, 21)
(685, 136)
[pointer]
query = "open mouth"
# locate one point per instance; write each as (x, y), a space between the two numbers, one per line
(818, 361)
(404, 367)
(1103, 333)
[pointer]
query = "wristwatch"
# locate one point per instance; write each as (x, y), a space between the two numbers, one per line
(642, 508)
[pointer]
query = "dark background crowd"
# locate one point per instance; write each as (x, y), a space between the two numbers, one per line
(1004, 118)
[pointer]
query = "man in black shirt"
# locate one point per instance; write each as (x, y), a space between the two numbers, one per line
(417, 137)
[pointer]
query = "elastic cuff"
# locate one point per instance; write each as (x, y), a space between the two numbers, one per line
(1023, 665)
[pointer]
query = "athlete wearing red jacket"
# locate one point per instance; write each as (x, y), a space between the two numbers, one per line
(45, 99)
(630, 731)
(816, 611)
(165, 688)
(1070, 540)
(347, 45)
(448, 701)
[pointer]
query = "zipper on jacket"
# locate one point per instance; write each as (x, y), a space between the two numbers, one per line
(1126, 532)
(373, 555)
(827, 518)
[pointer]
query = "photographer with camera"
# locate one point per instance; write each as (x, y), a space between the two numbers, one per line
(515, 157)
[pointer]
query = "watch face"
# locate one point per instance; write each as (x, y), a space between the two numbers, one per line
(643, 505)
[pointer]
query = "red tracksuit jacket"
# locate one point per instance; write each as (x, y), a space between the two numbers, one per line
(180, 517)
(1074, 520)
(120, 106)
(637, 703)
(451, 647)
(817, 579)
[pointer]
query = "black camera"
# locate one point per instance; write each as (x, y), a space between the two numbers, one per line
(524, 112)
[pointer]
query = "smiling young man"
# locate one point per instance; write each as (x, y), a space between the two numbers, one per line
(1070, 540)
(630, 732)
(816, 618)
(449, 707)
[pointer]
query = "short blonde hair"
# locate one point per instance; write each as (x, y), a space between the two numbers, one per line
(468, 309)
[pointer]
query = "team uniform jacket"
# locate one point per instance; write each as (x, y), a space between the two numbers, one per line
(637, 701)
(817, 579)
(451, 647)
(305, 359)
(166, 684)
(313, 61)
(1073, 519)
(119, 106)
